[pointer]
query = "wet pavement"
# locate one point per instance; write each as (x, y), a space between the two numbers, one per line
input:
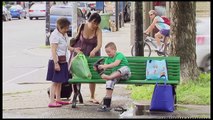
(32, 103)
(181, 111)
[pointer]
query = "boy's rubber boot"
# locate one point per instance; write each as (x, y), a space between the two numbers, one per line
(107, 101)
(106, 105)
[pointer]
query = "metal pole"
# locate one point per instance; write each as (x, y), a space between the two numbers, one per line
(139, 50)
(132, 23)
(47, 42)
(103, 7)
(121, 11)
(116, 15)
(119, 15)
(74, 19)
(122, 20)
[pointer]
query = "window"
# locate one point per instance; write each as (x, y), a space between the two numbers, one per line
(62, 11)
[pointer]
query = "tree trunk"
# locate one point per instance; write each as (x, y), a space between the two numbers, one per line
(183, 36)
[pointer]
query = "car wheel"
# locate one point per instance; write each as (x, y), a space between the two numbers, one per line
(4, 18)
(36, 18)
(207, 65)
(31, 18)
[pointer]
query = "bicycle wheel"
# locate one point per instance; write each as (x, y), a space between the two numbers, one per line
(161, 53)
(167, 46)
(166, 50)
(133, 50)
(147, 50)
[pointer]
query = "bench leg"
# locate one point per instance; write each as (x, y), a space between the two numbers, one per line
(174, 93)
(74, 100)
(77, 92)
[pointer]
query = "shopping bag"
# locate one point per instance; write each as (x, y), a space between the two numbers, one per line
(156, 70)
(79, 67)
(162, 98)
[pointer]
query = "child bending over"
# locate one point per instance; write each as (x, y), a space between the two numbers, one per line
(120, 71)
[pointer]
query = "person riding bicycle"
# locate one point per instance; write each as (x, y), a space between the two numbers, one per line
(163, 28)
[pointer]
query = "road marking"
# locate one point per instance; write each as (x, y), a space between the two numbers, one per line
(9, 56)
(22, 75)
(33, 51)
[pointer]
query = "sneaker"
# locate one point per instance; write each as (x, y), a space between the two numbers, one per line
(159, 50)
(120, 109)
(103, 109)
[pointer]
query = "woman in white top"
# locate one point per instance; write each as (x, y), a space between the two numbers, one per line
(58, 67)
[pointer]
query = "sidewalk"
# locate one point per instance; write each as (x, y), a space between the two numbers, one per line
(32, 101)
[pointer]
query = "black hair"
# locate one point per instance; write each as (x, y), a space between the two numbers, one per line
(96, 17)
(88, 14)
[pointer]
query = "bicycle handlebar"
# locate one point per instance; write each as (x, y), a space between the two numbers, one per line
(148, 37)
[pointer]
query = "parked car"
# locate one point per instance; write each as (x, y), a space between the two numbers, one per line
(203, 44)
(57, 11)
(6, 14)
(8, 6)
(37, 11)
(92, 5)
(84, 7)
(17, 11)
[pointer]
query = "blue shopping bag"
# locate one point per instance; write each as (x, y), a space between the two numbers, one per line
(156, 70)
(162, 98)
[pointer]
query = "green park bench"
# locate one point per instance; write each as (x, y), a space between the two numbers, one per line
(137, 65)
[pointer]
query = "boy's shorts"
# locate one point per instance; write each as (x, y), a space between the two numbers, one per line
(125, 74)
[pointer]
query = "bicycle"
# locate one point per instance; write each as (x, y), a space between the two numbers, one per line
(147, 49)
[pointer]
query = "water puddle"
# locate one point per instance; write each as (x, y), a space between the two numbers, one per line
(142, 110)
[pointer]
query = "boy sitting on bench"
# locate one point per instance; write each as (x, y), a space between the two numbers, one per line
(120, 71)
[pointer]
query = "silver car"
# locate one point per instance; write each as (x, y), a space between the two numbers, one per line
(37, 11)
(6, 14)
(57, 11)
(84, 7)
(203, 44)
